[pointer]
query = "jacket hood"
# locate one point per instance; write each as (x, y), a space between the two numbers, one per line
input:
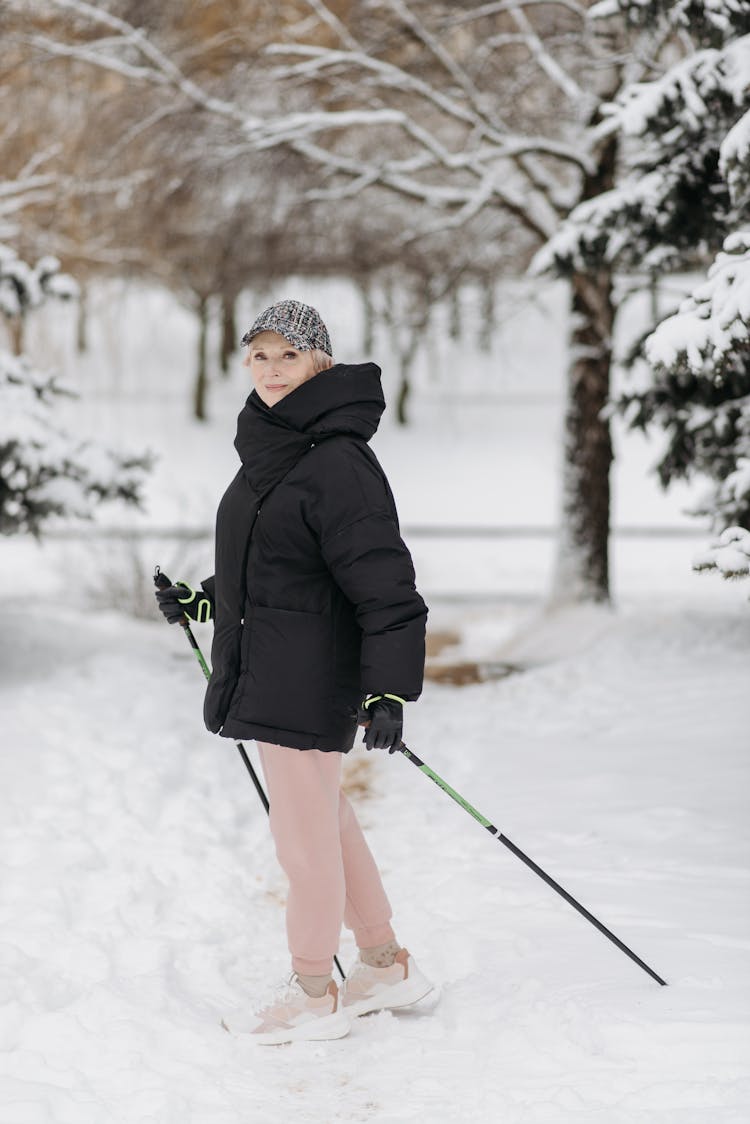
(346, 398)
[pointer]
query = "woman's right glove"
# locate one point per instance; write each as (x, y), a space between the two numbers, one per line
(383, 717)
(179, 600)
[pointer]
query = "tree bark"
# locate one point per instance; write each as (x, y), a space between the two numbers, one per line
(582, 567)
(201, 378)
(582, 571)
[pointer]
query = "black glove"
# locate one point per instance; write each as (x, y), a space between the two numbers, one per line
(179, 600)
(383, 715)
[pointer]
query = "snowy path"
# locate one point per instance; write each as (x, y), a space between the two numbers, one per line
(139, 898)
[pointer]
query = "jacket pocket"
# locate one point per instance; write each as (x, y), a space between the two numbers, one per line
(289, 669)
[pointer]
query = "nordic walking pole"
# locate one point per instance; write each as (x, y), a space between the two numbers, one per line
(402, 748)
(162, 582)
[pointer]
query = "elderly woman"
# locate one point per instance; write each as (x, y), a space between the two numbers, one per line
(318, 626)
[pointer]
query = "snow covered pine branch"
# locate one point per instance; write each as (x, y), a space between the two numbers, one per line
(730, 554)
(45, 472)
(684, 195)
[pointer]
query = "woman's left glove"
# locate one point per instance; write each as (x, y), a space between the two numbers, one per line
(383, 717)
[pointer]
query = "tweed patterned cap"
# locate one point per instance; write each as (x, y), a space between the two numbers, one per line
(299, 323)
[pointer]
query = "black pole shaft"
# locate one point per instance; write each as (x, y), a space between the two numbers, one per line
(529, 862)
(240, 747)
(254, 777)
(162, 582)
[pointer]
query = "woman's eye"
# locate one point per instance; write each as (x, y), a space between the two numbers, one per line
(291, 355)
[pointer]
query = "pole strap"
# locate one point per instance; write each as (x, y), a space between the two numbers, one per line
(376, 698)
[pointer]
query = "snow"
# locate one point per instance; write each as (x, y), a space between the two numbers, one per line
(602, 227)
(140, 902)
(686, 88)
(722, 12)
(730, 554)
(734, 160)
(139, 897)
(22, 285)
(604, 9)
(714, 319)
(738, 68)
(668, 116)
(735, 146)
(682, 89)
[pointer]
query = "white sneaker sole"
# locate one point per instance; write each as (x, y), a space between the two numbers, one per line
(397, 995)
(316, 1030)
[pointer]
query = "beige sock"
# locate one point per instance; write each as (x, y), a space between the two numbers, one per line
(380, 955)
(314, 986)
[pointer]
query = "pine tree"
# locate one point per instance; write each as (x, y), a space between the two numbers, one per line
(44, 472)
(729, 554)
(682, 197)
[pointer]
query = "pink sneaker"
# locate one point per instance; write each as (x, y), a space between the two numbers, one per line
(374, 989)
(294, 1016)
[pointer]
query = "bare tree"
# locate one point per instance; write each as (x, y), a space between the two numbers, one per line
(192, 204)
(461, 111)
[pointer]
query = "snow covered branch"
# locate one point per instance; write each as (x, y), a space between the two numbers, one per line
(23, 286)
(389, 75)
(17, 195)
(724, 17)
(734, 162)
(687, 93)
(499, 6)
(729, 554)
(442, 56)
(425, 143)
(504, 143)
(44, 472)
(548, 64)
(325, 15)
(714, 321)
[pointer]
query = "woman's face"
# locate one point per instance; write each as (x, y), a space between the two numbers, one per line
(277, 366)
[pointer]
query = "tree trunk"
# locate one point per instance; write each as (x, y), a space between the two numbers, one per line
(487, 326)
(407, 357)
(228, 331)
(454, 322)
(402, 399)
(16, 327)
(201, 378)
(82, 342)
(368, 319)
(582, 569)
(582, 572)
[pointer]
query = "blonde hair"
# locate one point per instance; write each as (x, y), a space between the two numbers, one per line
(321, 360)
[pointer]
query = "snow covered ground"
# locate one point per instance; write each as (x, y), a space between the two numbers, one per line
(140, 900)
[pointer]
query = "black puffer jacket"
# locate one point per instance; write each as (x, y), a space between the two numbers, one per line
(314, 587)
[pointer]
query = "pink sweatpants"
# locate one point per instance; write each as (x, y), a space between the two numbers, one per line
(320, 846)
